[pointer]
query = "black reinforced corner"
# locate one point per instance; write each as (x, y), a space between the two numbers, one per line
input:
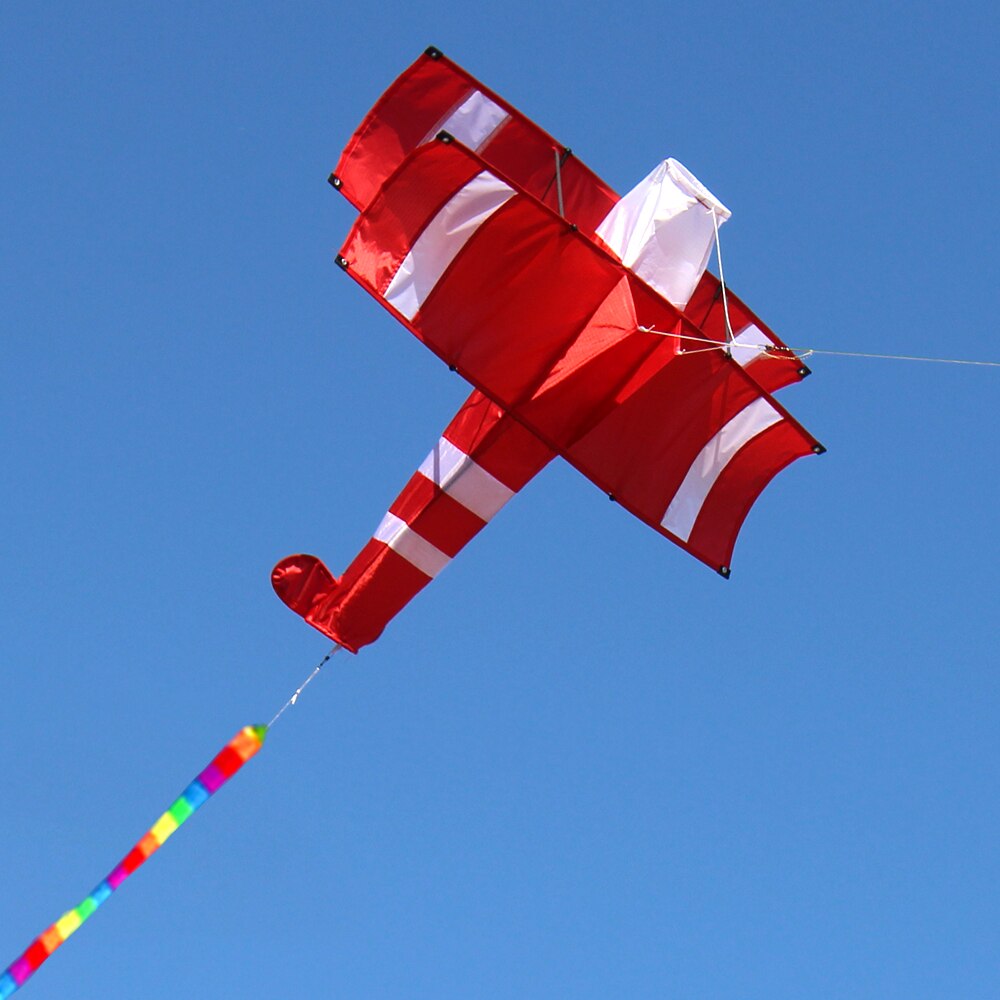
(443, 136)
(341, 262)
(724, 572)
(432, 52)
(818, 449)
(334, 181)
(804, 371)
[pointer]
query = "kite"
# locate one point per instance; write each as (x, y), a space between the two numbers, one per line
(587, 324)
(244, 745)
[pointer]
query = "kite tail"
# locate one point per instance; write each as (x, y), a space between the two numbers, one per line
(226, 763)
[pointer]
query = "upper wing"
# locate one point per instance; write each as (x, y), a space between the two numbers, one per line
(435, 94)
(481, 460)
(554, 330)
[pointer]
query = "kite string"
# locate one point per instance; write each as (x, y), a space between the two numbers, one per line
(804, 352)
(899, 357)
(722, 284)
(295, 697)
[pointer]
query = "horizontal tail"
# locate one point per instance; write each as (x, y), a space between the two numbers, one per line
(304, 583)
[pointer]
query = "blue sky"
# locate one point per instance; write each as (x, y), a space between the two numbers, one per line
(580, 764)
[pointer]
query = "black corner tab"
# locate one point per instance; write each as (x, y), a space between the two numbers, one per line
(804, 371)
(341, 262)
(818, 449)
(432, 52)
(443, 136)
(335, 181)
(724, 572)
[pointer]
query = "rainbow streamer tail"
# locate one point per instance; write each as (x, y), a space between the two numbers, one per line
(225, 764)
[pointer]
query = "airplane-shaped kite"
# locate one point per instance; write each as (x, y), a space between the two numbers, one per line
(587, 324)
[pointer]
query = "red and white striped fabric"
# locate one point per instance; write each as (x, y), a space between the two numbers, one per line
(481, 460)
(435, 94)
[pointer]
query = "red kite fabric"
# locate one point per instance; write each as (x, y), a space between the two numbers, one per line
(570, 353)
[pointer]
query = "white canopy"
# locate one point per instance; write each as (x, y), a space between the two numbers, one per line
(663, 230)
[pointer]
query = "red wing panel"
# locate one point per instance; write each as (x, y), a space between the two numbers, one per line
(407, 114)
(515, 300)
(430, 96)
(739, 485)
(382, 236)
(523, 152)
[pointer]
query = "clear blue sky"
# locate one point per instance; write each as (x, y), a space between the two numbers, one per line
(580, 764)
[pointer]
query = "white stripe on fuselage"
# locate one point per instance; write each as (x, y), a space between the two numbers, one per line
(402, 539)
(464, 481)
